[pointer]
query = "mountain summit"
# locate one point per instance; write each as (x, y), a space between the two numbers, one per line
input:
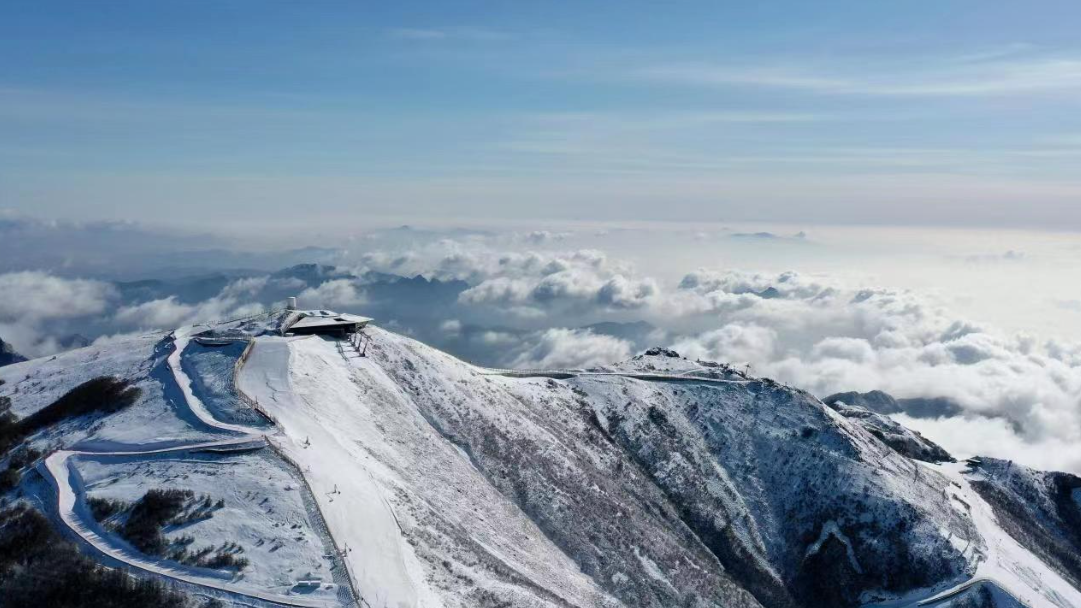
(375, 470)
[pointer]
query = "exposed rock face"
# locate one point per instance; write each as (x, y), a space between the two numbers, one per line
(658, 351)
(905, 441)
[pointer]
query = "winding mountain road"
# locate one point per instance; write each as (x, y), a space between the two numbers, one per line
(565, 374)
(59, 470)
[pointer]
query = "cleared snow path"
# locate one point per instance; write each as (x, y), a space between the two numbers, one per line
(181, 337)
(359, 517)
(62, 475)
(59, 470)
(563, 374)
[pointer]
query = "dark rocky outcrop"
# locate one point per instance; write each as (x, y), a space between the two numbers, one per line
(8, 354)
(658, 351)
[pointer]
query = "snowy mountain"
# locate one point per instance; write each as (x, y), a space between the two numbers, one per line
(308, 471)
(885, 403)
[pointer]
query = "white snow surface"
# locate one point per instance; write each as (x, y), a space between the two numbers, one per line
(344, 414)
(1005, 562)
(340, 412)
(313, 417)
(407, 451)
(181, 338)
(60, 469)
(168, 428)
(158, 418)
(263, 511)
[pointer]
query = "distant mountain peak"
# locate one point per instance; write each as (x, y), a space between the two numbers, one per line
(658, 351)
(876, 401)
(885, 403)
(8, 354)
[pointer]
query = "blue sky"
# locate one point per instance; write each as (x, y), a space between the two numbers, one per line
(950, 113)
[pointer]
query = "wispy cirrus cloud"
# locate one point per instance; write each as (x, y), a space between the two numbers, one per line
(457, 33)
(985, 75)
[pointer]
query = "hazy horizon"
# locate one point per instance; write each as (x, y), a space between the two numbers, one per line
(985, 318)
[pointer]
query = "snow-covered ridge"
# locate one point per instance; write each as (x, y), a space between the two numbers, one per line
(748, 468)
(164, 379)
(654, 482)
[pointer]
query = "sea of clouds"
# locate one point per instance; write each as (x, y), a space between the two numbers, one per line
(525, 300)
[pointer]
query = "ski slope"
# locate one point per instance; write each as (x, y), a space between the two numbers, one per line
(350, 425)
(1005, 563)
(361, 519)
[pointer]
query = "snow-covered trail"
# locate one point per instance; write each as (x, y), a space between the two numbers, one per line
(64, 478)
(181, 337)
(562, 374)
(307, 388)
(943, 599)
(1007, 564)
(59, 470)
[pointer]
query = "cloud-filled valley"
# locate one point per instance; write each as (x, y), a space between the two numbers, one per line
(534, 300)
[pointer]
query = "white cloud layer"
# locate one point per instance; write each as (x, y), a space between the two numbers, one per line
(235, 300)
(40, 312)
(30, 300)
(37, 296)
(569, 348)
(817, 333)
(337, 293)
(828, 339)
(1017, 396)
